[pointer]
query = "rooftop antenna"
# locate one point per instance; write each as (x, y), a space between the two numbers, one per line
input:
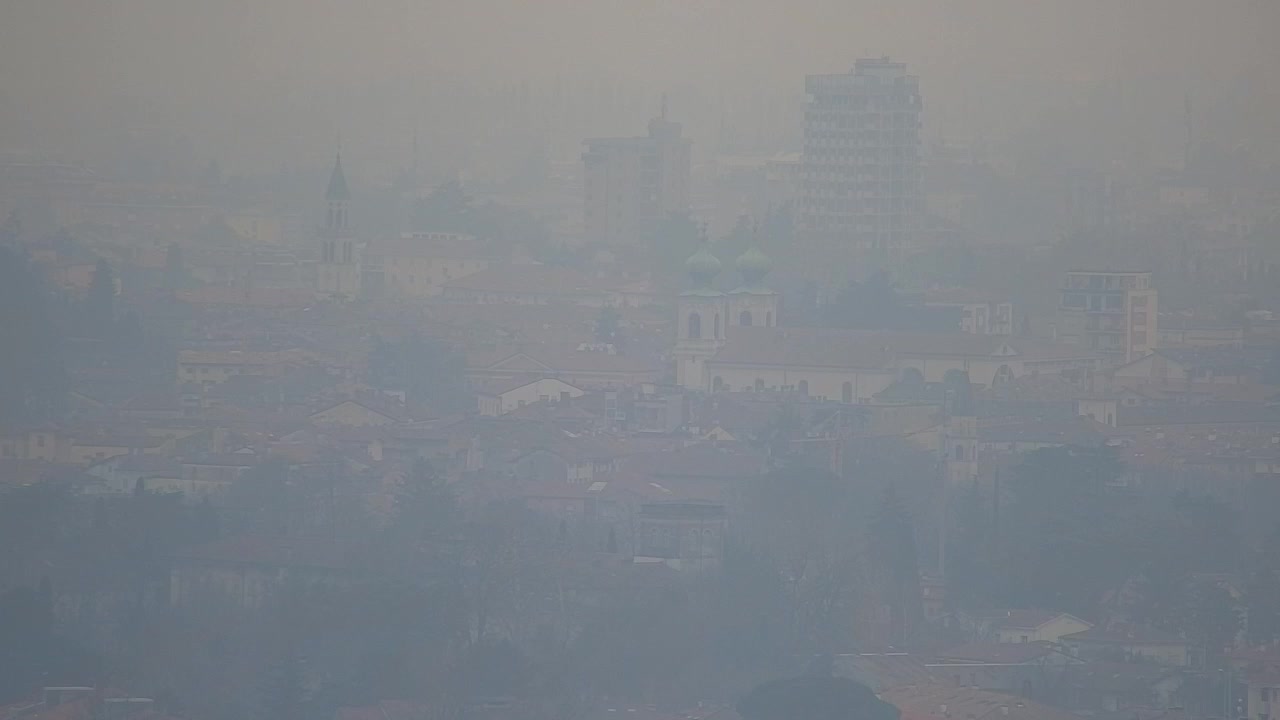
(413, 167)
(1189, 140)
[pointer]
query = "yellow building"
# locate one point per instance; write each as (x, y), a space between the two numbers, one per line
(257, 226)
(1112, 313)
(418, 265)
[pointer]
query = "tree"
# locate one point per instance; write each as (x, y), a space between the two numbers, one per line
(426, 510)
(100, 301)
(33, 381)
(1262, 608)
(429, 372)
(31, 653)
(1209, 617)
(674, 239)
(175, 269)
(608, 325)
(1059, 509)
(893, 547)
(815, 698)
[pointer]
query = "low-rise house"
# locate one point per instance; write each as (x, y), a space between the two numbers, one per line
(219, 469)
(856, 365)
(1029, 669)
(500, 398)
(89, 448)
(1023, 626)
(422, 264)
(40, 443)
(682, 535)
(1138, 643)
(586, 366)
(1105, 686)
(980, 314)
(359, 412)
(122, 474)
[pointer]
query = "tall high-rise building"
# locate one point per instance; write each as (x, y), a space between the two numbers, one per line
(1113, 313)
(631, 184)
(860, 199)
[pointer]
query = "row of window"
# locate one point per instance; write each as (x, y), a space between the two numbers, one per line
(745, 319)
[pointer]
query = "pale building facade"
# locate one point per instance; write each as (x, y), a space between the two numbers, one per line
(708, 316)
(860, 196)
(1112, 313)
(421, 264)
(631, 184)
(506, 397)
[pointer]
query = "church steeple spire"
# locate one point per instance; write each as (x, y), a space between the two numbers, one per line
(338, 182)
(337, 199)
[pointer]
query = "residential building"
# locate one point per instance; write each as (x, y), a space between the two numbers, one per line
(1135, 644)
(632, 183)
(503, 397)
(860, 197)
(856, 365)
(682, 535)
(1109, 312)
(979, 314)
(1021, 626)
(421, 264)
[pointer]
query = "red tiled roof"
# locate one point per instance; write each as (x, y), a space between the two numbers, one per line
(996, 653)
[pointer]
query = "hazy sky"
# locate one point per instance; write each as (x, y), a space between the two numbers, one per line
(273, 81)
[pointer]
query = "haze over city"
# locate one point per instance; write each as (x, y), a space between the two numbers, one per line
(701, 360)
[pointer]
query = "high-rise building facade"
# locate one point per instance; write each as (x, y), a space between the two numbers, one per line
(631, 184)
(860, 198)
(1113, 313)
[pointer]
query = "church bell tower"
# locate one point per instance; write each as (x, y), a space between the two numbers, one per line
(338, 272)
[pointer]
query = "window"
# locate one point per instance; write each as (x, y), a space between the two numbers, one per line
(717, 384)
(846, 392)
(768, 319)
(759, 385)
(745, 318)
(1024, 637)
(695, 326)
(803, 387)
(959, 455)
(715, 328)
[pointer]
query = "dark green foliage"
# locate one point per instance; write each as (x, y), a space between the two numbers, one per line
(429, 372)
(1262, 607)
(31, 653)
(1059, 509)
(893, 545)
(33, 382)
(608, 325)
(100, 302)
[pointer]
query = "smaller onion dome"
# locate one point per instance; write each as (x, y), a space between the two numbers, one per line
(702, 266)
(754, 265)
